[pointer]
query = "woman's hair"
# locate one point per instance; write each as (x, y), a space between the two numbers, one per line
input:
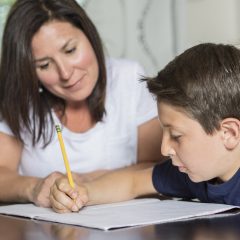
(21, 104)
(204, 82)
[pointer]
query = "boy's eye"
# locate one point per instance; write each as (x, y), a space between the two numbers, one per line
(175, 137)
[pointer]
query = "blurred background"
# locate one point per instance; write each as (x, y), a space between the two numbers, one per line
(154, 31)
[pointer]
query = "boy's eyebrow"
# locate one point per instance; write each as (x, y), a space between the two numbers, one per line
(165, 125)
(168, 125)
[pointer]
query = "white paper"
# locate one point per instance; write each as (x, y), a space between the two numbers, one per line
(124, 214)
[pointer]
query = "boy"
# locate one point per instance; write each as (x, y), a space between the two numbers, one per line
(198, 96)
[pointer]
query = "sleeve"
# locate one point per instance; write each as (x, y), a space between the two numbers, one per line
(146, 104)
(168, 181)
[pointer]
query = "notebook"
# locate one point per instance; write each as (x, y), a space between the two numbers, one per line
(136, 212)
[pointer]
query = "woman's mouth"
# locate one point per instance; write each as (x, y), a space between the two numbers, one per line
(75, 86)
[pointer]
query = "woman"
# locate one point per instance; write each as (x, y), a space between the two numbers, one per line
(53, 70)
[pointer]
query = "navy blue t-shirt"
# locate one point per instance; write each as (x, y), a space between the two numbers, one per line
(169, 181)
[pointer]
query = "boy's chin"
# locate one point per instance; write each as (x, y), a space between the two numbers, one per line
(195, 179)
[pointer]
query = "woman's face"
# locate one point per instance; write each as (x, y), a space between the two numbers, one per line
(65, 61)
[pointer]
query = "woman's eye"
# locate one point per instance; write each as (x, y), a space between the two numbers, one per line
(68, 51)
(44, 66)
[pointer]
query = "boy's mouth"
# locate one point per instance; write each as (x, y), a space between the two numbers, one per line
(182, 169)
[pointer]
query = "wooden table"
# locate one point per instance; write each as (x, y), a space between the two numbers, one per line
(220, 228)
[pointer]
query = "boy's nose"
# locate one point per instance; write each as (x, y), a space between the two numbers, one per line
(166, 148)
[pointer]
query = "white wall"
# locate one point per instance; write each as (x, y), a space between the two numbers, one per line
(4, 8)
(212, 21)
(148, 31)
(168, 26)
(154, 31)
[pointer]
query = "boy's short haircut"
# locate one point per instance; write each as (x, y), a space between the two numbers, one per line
(204, 81)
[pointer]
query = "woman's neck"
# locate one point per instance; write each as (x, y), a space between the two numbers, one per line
(77, 117)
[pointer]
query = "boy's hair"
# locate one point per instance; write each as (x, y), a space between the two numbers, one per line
(204, 81)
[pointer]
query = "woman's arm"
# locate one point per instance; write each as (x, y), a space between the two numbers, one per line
(12, 187)
(149, 142)
(16, 188)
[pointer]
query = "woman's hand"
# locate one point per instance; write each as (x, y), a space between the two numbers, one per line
(41, 190)
(64, 198)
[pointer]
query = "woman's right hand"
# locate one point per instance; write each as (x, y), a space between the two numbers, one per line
(64, 198)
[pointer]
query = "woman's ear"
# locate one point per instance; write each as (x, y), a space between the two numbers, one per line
(230, 128)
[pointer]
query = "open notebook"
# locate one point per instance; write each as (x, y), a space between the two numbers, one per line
(124, 214)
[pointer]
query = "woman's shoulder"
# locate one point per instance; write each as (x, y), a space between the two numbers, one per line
(124, 70)
(120, 61)
(121, 64)
(123, 77)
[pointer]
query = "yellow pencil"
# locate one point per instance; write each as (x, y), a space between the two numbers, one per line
(69, 174)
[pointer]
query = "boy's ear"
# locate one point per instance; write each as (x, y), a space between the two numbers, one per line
(230, 132)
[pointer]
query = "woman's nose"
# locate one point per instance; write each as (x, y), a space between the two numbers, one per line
(65, 70)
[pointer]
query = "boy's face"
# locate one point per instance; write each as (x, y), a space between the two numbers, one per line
(201, 156)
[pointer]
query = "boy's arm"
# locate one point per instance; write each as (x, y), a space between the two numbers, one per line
(119, 186)
(112, 187)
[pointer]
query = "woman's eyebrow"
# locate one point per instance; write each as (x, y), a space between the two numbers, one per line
(66, 44)
(41, 59)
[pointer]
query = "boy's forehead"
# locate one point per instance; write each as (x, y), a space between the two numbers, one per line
(170, 115)
(166, 108)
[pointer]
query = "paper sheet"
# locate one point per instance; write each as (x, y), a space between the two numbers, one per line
(124, 214)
